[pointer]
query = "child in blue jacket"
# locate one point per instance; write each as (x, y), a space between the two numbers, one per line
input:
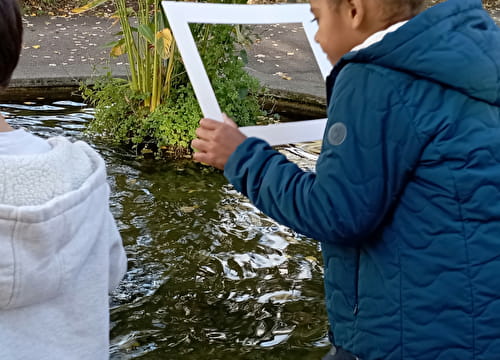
(405, 199)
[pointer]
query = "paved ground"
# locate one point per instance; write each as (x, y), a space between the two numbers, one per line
(61, 51)
(282, 59)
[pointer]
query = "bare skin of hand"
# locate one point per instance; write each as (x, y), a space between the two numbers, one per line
(216, 141)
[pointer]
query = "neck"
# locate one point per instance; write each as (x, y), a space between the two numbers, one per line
(4, 126)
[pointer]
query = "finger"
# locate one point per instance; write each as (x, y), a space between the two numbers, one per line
(199, 145)
(207, 128)
(209, 124)
(198, 156)
(228, 120)
(202, 133)
(202, 157)
(206, 159)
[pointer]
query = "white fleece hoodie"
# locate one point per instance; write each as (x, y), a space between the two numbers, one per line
(60, 254)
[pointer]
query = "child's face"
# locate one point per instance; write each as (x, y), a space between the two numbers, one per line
(337, 33)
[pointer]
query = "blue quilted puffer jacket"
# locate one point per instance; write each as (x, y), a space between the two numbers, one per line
(406, 195)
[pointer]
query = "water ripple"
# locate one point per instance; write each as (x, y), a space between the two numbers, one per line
(209, 276)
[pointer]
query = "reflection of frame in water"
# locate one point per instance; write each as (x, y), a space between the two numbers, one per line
(180, 14)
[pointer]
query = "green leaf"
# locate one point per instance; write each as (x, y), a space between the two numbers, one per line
(147, 31)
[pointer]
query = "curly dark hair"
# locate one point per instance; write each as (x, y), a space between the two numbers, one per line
(395, 10)
(11, 35)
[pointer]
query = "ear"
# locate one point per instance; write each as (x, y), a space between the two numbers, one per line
(356, 10)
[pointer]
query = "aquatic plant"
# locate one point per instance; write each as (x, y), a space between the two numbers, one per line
(155, 109)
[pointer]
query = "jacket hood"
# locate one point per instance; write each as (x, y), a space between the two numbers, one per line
(455, 43)
(44, 244)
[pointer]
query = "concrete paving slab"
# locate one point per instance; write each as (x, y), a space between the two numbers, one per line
(61, 51)
(282, 59)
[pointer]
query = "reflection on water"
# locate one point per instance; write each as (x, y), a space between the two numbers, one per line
(209, 276)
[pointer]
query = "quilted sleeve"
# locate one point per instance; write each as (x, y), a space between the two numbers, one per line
(370, 149)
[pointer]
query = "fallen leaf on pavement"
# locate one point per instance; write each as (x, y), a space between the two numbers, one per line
(283, 75)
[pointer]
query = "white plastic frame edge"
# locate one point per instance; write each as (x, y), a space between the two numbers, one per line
(180, 14)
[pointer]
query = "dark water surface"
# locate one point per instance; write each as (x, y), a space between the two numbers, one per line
(209, 276)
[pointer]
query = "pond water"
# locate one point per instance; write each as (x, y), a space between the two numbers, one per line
(209, 276)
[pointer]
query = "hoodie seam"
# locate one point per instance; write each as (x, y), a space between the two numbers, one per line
(18, 269)
(486, 55)
(13, 257)
(15, 275)
(399, 92)
(61, 275)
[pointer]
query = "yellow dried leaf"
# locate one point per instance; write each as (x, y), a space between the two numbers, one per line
(117, 50)
(166, 36)
(283, 75)
(88, 6)
(36, 46)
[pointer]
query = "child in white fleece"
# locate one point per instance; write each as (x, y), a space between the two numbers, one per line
(60, 250)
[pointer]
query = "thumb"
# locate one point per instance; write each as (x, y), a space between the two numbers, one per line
(228, 120)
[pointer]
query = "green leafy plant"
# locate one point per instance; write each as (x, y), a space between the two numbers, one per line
(156, 108)
(149, 47)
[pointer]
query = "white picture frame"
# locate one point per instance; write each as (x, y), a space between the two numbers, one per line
(181, 14)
